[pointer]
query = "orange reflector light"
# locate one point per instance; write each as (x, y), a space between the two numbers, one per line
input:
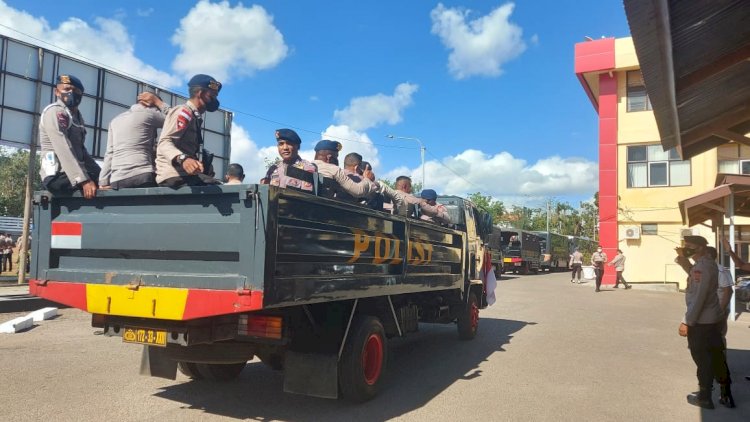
(260, 326)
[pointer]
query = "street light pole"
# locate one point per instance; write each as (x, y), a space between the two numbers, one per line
(421, 151)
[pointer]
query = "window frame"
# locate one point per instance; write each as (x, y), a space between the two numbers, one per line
(648, 163)
(645, 232)
(629, 108)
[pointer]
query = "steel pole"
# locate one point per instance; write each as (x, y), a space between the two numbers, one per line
(24, 251)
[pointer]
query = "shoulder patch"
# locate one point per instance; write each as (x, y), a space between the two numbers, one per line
(184, 117)
(63, 120)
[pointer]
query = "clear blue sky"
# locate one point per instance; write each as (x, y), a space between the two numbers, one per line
(488, 86)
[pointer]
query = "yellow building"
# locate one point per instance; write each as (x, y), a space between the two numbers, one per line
(640, 185)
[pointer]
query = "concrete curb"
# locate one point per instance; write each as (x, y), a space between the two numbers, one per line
(17, 324)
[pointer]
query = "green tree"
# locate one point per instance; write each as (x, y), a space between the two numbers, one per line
(495, 208)
(13, 167)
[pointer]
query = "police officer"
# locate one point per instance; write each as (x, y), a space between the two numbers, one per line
(598, 259)
(440, 214)
(235, 174)
(403, 189)
(66, 165)
(177, 162)
(343, 187)
(286, 172)
(701, 324)
(129, 160)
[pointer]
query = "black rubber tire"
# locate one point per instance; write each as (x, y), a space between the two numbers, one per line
(524, 269)
(220, 371)
(274, 361)
(468, 319)
(190, 370)
(360, 381)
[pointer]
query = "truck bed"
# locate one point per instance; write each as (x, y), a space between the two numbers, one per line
(201, 251)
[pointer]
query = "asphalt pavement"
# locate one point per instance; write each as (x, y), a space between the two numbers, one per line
(546, 351)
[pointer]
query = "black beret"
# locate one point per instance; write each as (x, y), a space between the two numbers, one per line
(288, 135)
(325, 144)
(205, 81)
(69, 79)
(428, 194)
(696, 240)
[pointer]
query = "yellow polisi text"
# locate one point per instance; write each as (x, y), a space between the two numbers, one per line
(385, 248)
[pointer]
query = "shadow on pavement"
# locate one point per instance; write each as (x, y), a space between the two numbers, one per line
(739, 366)
(420, 367)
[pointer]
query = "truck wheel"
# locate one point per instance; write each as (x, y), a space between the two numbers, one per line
(220, 371)
(363, 361)
(273, 360)
(468, 319)
(190, 370)
(525, 269)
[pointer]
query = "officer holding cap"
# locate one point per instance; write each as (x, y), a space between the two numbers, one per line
(287, 172)
(177, 162)
(338, 184)
(66, 165)
(701, 324)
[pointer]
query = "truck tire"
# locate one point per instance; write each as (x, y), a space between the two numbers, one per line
(468, 319)
(190, 370)
(274, 361)
(363, 361)
(220, 371)
(525, 269)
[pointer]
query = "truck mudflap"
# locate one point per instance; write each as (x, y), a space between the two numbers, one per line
(167, 303)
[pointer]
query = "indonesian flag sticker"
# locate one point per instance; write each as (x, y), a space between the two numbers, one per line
(66, 235)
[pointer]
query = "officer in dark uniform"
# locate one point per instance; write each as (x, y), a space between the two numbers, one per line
(177, 161)
(702, 323)
(66, 165)
(288, 171)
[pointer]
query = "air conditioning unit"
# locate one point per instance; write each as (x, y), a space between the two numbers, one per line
(632, 232)
(689, 232)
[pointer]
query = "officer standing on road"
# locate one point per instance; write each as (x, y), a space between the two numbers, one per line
(576, 262)
(285, 172)
(177, 162)
(702, 323)
(598, 259)
(619, 263)
(129, 160)
(66, 165)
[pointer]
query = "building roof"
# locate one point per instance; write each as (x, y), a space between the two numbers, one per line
(714, 204)
(695, 60)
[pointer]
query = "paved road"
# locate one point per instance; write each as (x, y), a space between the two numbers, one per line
(547, 351)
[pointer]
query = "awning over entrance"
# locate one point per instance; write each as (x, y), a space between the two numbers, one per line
(731, 196)
(695, 60)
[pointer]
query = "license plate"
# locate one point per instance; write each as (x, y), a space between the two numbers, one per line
(517, 264)
(145, 336)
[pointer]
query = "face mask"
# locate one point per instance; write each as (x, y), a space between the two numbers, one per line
(212, 105)
(599, 250)
(688, 252)
(71, 99)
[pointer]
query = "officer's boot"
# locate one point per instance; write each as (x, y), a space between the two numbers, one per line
(726, 395)
(702, 399)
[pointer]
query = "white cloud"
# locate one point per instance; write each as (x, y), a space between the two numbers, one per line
(481, 46)
(246, 152)
(226, 41)
(107, 43)
(505, 177)
(353, 141)
(366, 112)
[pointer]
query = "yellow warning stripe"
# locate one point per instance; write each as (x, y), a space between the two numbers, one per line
(145, 302)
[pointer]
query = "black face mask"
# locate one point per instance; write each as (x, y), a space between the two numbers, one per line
(688, 252)
(71, 99)
(212, 105)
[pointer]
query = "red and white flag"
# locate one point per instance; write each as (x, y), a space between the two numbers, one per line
(488, 278)
(66, 235)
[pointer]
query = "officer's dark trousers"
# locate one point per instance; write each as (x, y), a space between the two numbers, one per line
(144, 180)
(620, 279)
(60, 182)
(599, 271)
(576, 272)
(707, 349)
(8, 258)
(195, 180)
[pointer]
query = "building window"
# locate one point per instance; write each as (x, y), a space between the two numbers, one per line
(651, 166)
(650, 229)
(734, 166)
(637, 96)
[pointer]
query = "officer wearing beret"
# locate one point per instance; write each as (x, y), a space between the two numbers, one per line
(177, 162)
(283, 173)
(440, 213)
(341, 186)
(702, 322)
(66, 165)
(403, 187)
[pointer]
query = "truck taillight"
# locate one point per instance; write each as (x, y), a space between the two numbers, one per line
(260, 326)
